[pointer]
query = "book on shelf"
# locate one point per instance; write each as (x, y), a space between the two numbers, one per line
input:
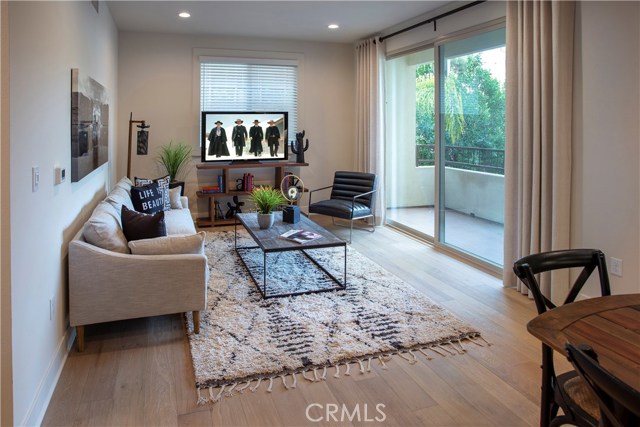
(218, 211)
(211, 189)
(247, 182)
(300, 236)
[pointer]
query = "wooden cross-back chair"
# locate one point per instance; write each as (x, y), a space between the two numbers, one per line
(557, 390)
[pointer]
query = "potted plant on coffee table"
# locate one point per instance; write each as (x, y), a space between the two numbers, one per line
(174, 158)
(266, 200)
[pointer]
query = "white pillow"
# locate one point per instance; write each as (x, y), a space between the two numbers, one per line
(174, 198)
(118, 197)
(169, 245)
(125, 183)
(104, 229)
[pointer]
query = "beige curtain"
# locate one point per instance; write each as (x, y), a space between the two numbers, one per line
(538, 142)
(370, 114)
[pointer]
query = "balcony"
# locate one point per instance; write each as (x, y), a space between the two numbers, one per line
(474, 199)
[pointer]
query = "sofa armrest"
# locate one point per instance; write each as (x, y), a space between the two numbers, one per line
(106, 286)
(184, 200)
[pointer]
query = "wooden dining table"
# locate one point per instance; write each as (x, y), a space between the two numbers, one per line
(609, 324)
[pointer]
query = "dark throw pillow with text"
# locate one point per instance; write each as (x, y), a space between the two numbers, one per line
(163, 183)
(148, 198)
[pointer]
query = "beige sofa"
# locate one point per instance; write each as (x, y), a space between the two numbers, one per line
(107, 282)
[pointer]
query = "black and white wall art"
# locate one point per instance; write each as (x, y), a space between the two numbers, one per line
(89, 125)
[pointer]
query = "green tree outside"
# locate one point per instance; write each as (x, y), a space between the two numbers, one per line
(473, 109)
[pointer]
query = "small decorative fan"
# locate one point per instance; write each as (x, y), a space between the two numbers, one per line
(292, 188)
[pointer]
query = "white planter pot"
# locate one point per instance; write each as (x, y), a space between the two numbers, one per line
(266, 220)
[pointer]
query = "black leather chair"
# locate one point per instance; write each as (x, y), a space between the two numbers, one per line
(619, 403)
(556, 390)
(352, 198)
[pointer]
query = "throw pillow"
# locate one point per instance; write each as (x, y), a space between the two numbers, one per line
(148, 198)
(125, 183)
(103, 229)
(174, 197)
(170, 245)
(118, 197)
(138, 225)
(163, 182)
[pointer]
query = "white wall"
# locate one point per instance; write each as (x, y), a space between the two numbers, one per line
(475, 193)
(47, 39)
(606, 183)
(157, 80)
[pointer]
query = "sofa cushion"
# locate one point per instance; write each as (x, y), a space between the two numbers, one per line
(118, 197)
(179, 221)
(163, 183)
(147, 198)
(170, 245)
(125, 183)
(104, 229)
(138, 225)
(174, 198)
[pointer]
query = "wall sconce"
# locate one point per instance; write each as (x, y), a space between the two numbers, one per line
(142, 141)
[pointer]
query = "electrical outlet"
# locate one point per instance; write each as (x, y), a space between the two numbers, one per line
(51, 309)
(616, 267)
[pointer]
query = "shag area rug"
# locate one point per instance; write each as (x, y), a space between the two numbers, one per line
(245, 339)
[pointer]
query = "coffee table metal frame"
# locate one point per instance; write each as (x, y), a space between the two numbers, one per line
(269, 241)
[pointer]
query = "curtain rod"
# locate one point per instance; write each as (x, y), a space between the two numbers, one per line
(434, 19)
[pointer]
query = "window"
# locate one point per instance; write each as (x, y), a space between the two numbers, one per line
(232, 84)
(445, 132)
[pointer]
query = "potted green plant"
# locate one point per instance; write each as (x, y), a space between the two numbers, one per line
(266, 200)
(174, 158)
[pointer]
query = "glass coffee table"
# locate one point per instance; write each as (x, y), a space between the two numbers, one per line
(270, 242)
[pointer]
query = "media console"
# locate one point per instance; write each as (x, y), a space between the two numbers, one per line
(210, 220)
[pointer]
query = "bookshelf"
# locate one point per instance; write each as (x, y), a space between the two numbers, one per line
(210, 220)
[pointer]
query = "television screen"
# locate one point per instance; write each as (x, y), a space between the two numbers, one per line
(243, 136)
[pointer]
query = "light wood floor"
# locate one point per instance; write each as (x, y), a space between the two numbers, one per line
(139, 372)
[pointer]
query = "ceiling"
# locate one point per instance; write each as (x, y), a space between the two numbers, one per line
(290, 20)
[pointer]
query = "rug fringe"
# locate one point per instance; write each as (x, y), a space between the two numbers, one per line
(242, 389)
(311, 374)
(304, 375)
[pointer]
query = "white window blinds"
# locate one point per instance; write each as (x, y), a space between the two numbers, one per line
(228, 86)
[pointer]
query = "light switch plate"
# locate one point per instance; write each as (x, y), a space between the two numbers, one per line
(35, 178)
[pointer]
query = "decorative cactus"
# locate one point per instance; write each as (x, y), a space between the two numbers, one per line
(298, 148)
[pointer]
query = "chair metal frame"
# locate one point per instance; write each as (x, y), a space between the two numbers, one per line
(526, 268)
(619, 403)
(353, 202)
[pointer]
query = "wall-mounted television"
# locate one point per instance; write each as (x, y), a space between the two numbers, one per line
(232, 136)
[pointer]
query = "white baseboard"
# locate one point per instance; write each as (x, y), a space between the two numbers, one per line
(40, 403)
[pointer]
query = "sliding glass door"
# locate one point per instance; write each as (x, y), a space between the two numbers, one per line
(410, 147)
(445, 144)
(471, 144)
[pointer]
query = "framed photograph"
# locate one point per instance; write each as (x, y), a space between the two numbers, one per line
(244, 136)
(89, 125)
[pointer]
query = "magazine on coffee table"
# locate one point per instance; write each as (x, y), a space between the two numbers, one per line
(300, 236)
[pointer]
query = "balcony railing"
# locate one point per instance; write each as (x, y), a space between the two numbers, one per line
(479, 159)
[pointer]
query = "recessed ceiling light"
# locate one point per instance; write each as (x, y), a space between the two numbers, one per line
(333, 26)
(184, 15)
